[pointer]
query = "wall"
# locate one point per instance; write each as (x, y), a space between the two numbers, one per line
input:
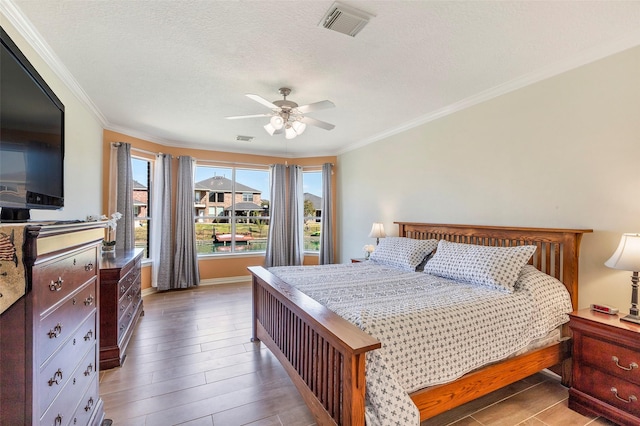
(83, 141)
(559, 153)
(216, 268)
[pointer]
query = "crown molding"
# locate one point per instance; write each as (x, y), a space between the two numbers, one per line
(568, 64)
(24, 27)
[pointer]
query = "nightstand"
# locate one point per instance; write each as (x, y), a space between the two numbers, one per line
(357, 259)
(606, 373)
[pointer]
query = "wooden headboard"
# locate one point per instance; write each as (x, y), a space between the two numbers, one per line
(557, 254)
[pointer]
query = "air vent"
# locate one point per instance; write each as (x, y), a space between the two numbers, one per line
(244, 138)
(345, 19)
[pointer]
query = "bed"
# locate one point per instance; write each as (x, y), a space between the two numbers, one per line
(324, 354)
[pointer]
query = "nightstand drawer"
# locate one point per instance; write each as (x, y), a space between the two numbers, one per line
(612, 359)
(611, 390)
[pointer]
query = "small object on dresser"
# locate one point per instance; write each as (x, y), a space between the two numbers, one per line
(605, 309)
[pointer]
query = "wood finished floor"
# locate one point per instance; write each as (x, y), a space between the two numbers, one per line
(190, 362)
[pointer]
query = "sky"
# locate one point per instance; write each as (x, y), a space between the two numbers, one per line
(257, 179)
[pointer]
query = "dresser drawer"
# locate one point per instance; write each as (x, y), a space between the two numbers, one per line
(56, 280)
(125, 320)
(56, 327)
(71, 398)
(130, 278)
(610, 358)
(60, 370)
(87, 405)
(609, 389)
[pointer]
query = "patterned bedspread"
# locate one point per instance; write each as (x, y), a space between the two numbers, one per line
(432, 330)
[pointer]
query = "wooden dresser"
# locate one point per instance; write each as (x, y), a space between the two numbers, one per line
(120, 304)
(606, 373)
(50, 335)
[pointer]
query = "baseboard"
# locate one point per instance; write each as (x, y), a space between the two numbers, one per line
(226, 280)
(209, 281)
(148, 291)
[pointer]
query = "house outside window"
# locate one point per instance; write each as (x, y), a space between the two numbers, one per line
(141, 202)
(232, 214)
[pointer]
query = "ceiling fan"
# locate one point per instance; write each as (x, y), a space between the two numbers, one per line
(287, 116)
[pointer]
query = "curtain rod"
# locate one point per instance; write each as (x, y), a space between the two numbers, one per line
(231, 163)
(144, 151)
(236, 163)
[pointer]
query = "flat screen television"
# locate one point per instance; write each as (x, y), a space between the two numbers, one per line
(31, 138)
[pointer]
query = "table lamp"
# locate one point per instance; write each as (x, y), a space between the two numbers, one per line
(377, 232)
(627, 258)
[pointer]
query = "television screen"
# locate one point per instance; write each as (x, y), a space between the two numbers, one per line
(31, 135)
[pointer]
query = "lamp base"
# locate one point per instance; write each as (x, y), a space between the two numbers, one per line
(631, 318)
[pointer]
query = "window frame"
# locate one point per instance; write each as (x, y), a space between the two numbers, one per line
(315, 219)
(148, 218)
(232, 216)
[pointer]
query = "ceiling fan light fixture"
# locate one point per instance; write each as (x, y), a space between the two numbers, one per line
(289, 132)
(277, 122)
(270, 129)
(299, 127)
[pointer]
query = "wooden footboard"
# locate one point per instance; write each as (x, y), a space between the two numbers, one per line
(323, 354)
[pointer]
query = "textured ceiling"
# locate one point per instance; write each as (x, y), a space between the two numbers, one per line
(170, 71)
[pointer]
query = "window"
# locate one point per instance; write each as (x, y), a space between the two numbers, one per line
(141, 202)
(233, 213)
(312, 184)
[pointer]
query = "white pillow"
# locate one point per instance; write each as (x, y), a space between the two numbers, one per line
(497, 267)
(403, 253)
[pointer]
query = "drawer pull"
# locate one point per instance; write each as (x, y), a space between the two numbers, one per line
(88, 370)
(88, 267)
(631, 366)
(55, 332)
(56, 285)
(89, 300)
(89, 404)
(54, 380)
(632, 398)
(88, 336)
(58, 420)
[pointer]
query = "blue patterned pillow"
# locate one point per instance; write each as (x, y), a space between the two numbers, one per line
(497, 267)
(403, 253)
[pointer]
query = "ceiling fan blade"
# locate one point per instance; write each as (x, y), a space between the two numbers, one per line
(263, 101)
(315, 106)
(235, 117)
(317, 123)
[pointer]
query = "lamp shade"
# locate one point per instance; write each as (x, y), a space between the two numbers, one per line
(627, 255)
(289, 133)
(299, 127)
(377, 231)
(270, 129)
(277, 122)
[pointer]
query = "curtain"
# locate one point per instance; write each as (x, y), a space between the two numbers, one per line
(186, 272)
(296, 216)
(124, 198)
(277, 239)
(161, 244)
(326, 224)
